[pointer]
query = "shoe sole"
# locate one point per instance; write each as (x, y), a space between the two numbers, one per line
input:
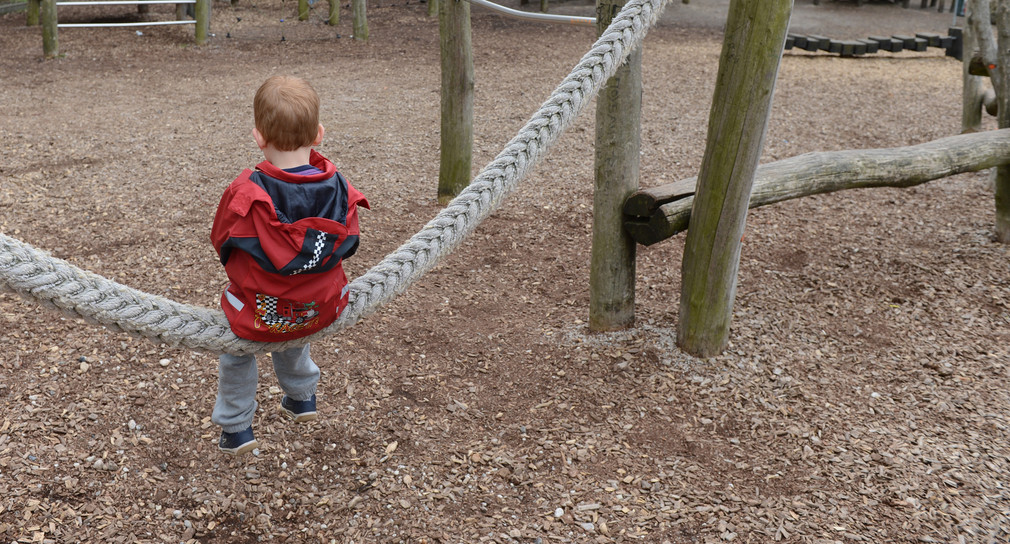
(299, 418)
(241, 450)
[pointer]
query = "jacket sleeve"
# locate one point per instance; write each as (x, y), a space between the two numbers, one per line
(354, 199)
(232, 212)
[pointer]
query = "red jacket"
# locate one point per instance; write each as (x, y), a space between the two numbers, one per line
(282, 238)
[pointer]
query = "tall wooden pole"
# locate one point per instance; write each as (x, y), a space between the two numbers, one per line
(334, 18)
(748, 66)
(1002, 88)
(32, 12)
(432, 8)
(618, 144)
(360, 25)
(457, 98)
(50, 32)
(303, 10)
(971, 87)
(202, 16)
(993, 57)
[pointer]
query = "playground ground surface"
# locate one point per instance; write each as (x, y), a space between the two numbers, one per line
(862, 399)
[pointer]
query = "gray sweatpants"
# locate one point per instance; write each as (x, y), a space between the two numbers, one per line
(297, 375)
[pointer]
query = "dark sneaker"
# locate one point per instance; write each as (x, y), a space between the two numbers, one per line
(238, 443)
(299, 410)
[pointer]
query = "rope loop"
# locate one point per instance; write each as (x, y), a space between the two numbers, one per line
(53, 282)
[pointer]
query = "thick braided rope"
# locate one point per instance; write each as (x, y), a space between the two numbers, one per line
(54, 282)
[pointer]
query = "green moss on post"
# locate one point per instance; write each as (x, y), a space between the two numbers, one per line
(334, 18)
(360, 26)
(618, 145)
(202, 15)
(457, 98)
(303, 10)
(1001, 85)
(995, 56)
(748, 66)
(50, 32)
(32, 12)
(972, 87)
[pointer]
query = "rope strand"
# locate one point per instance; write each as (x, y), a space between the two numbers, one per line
(54, 282)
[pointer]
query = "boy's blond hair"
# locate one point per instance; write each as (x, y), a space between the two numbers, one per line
(286, 111)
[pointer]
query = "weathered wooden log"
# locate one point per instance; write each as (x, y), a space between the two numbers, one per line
(748, 68)
(989, 102)
(334, 15)
(359, 18)
(972, 88)
(50, 30)
(616, 172)
(32, 12)
(456, 50)
(202, 13)
(830, 171)
(977, 67)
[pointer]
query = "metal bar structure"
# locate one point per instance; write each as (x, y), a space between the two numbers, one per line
(50, 27)
(535, 17)
(106, 25)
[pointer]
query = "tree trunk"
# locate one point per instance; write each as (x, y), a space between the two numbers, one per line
(657, 213)
(433, 8)
(748, 67)
(303, 10)
(50, 32)
(360, 25)
(457, 99)
(618, 144)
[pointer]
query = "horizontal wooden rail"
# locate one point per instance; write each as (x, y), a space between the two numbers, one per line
(653, 215)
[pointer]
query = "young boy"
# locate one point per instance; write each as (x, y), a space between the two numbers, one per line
(281, 232)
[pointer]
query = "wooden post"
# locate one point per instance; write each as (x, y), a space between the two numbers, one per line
(980, 18)
(303, 10)
(457, 98)
(334, 18)
(202, 16)
(618, 144)
(543, 6)
(971, 87)
(32, 12)
(748, 66)
(1002, 88)
(50, 32)
(360, 25)
(433, 8)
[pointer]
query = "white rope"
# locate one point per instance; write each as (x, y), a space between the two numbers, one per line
(54, 282)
